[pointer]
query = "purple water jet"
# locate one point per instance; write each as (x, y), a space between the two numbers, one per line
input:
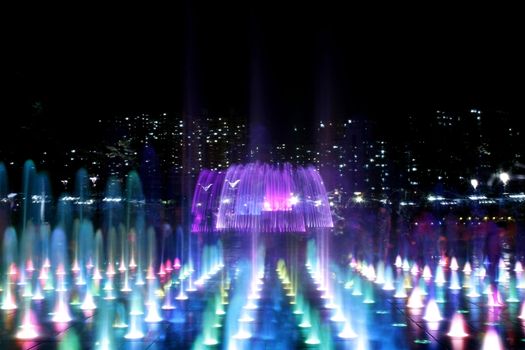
(260, 197)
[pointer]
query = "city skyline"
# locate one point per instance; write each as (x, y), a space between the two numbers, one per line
(282, 71)
(438, 154)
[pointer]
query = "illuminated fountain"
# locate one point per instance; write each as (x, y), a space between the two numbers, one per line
(104, 265)
(262, 198)
(457, 327)
(103, 259)
(492, 341)
(71, 271)
(256, 199)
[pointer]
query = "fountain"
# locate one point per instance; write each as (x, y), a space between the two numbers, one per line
(260, 197)
(100, 268)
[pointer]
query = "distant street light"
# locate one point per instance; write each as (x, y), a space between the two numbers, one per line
(504, 177)
(94, 180)
(474, 183)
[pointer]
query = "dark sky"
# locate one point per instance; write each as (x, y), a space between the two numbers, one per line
(291, 65)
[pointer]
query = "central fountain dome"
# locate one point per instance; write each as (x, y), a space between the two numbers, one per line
(260, 197)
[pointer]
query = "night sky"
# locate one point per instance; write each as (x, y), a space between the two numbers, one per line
(290, 65)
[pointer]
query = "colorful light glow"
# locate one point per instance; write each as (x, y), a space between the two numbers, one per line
(266, 198)
(492, 341)
(457, 327)
(432, 313)
(347, 332)
(28, 329)
(415, 301)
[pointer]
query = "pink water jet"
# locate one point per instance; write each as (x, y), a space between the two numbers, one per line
(415, 301)
(432, 313)
(454, 264)
(89, 302)
(494, 298)
(492, 341)
(61, 313)
(28, 328)
(457, 327)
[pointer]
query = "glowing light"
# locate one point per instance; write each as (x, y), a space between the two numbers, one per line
(162, 270)
(111, 270)
(313, 339)
(389, 279)
(135, 334)
(427, 274)
(347, 332)
(432, 313)
(440, 276)
(399, 262)
(246, 318)
(37, 295)
(454, 264)
(473, 285)
(415, 270)
(467, 270)
(406, 265)
(264, 197)
(494, 298)
(153, 314)
(76, 267)
(167, 301)
(338, 316)
(371, 273)
(400, 290)
(89, 303)
(9, 301)
(210, 342)
(504, 177)
(250, 305)
(61, 314)
(27, 332)
(242, 334)
(415, 301)
(492, 341)
(135, 331)
(454, 280)
(457, 327)
(181, 295)
(27, 329)
(522, 313)
(97, 275)
(177, 265)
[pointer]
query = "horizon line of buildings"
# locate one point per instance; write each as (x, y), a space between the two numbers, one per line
(441, 153)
